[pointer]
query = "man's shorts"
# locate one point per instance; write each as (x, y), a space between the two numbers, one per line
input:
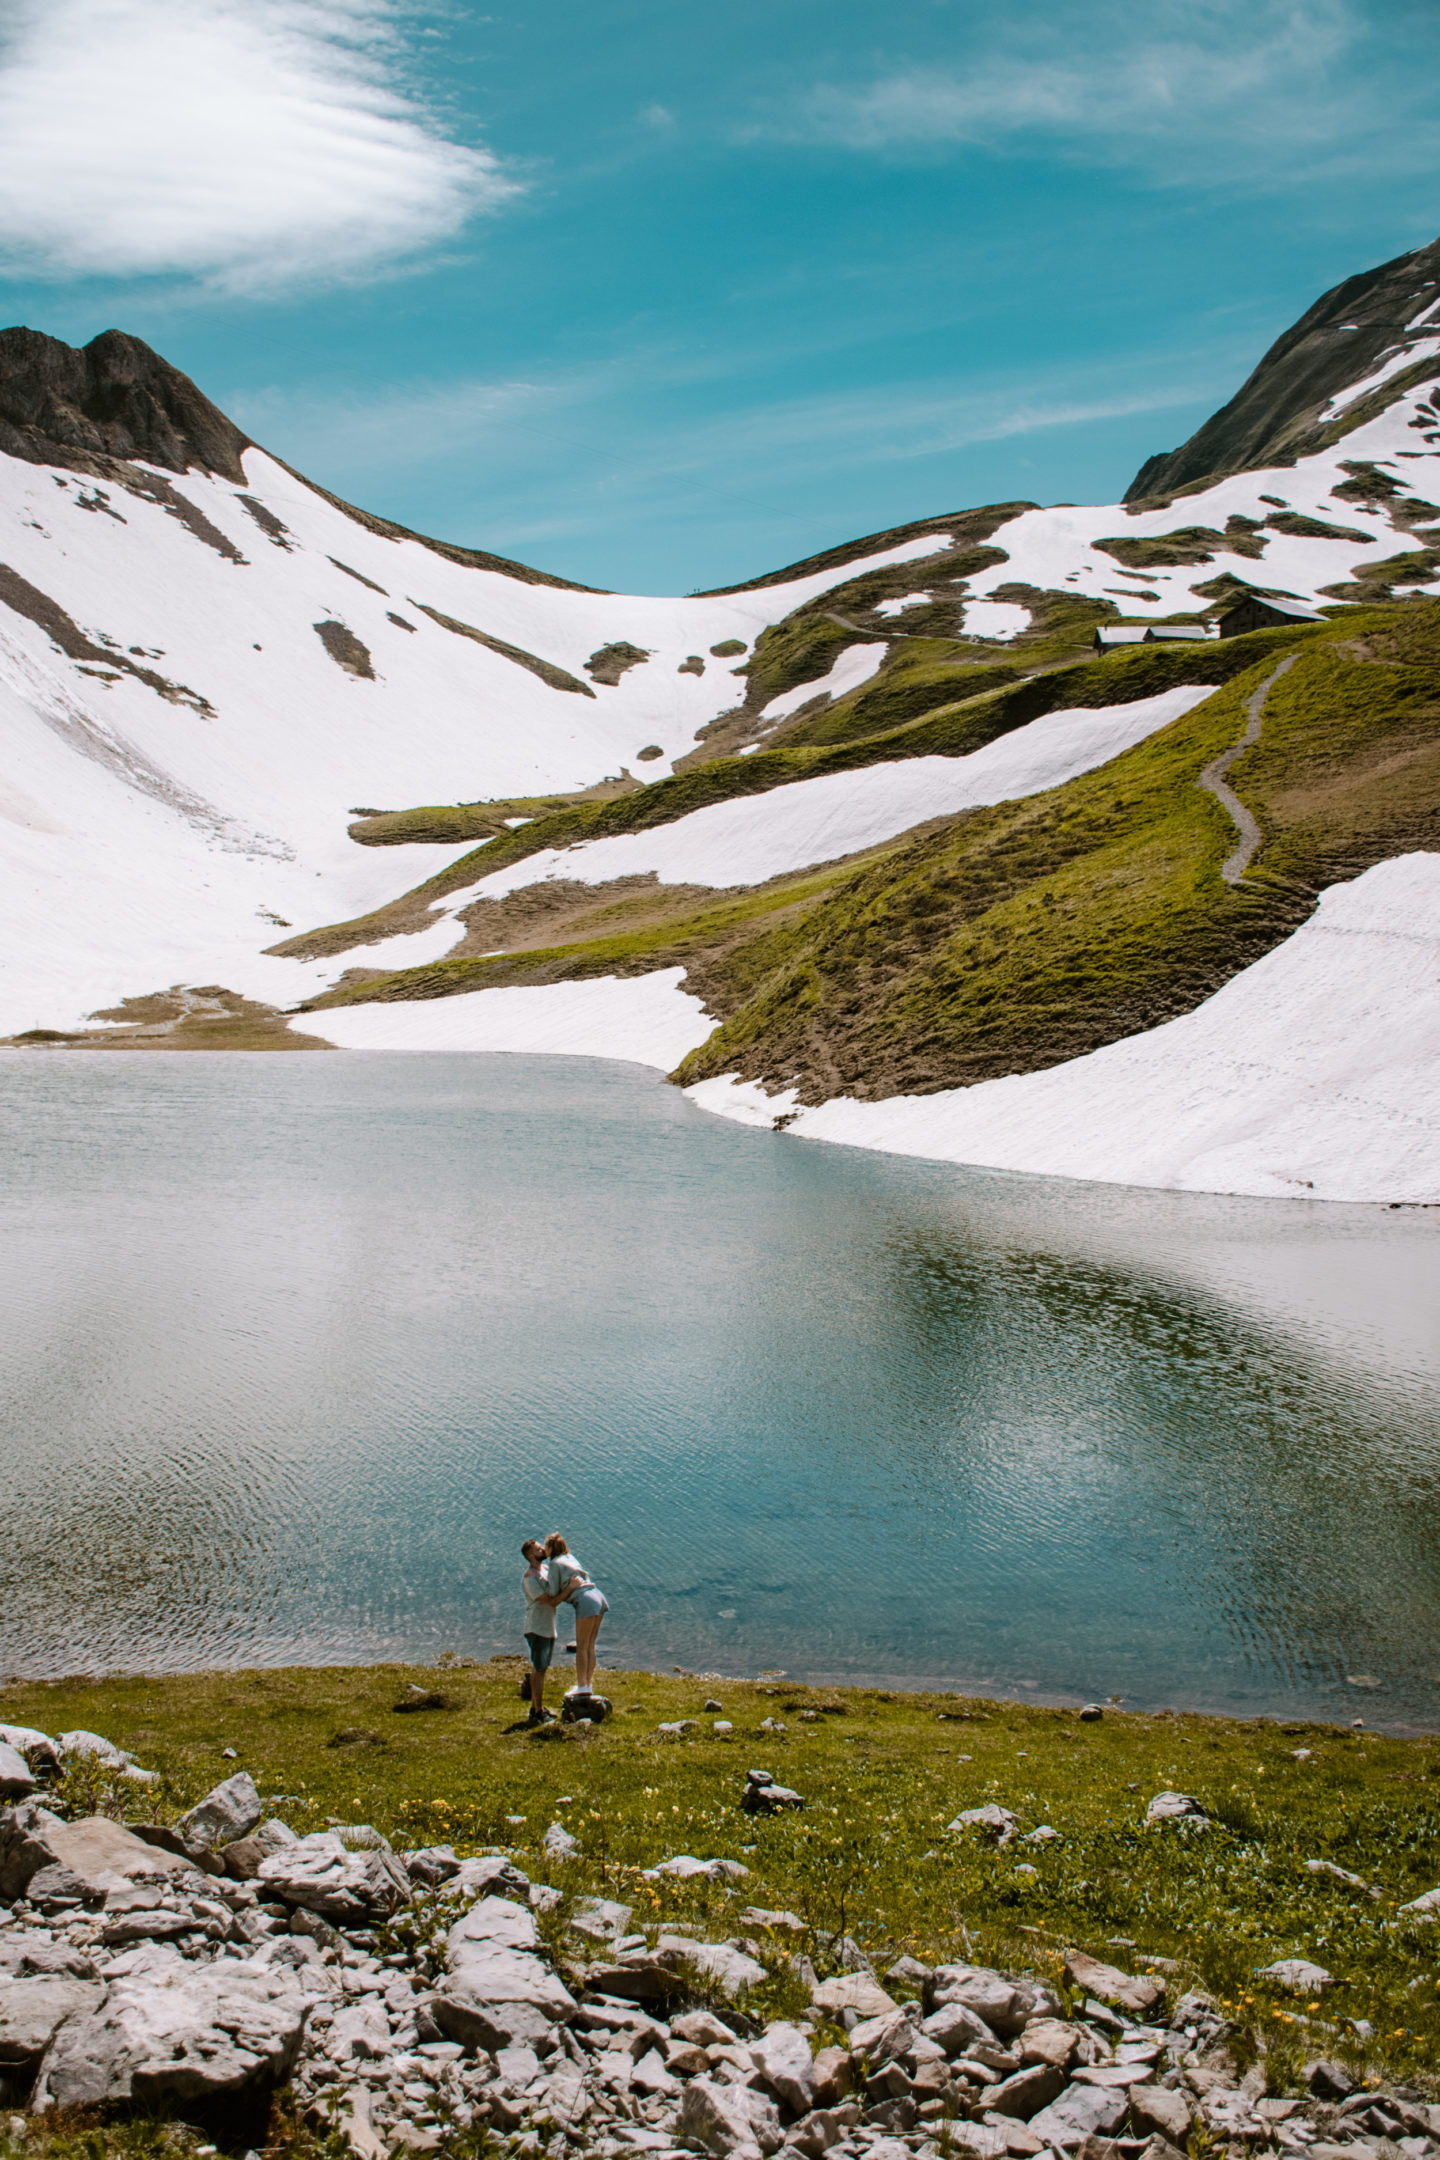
(542, 1649)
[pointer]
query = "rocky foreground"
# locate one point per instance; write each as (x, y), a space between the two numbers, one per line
(404, 1997)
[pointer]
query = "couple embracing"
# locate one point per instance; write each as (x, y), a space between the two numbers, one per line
(553, 1576)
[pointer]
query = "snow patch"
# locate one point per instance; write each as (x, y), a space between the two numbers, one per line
(752, 838)
(1406, 357)
(898, 607)
(646, 1019)
(999, 619)
(854, 666)
(1315, 1073)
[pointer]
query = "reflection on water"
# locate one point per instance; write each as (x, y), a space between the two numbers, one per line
(297, 1349)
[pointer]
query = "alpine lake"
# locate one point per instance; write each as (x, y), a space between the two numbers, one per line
(296, 1349)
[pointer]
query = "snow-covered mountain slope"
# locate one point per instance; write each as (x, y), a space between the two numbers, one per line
(1315, 1073)
(848, 828)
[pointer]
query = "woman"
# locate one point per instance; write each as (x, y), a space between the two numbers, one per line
(570, 1582)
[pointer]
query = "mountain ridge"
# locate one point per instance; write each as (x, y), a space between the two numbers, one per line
(863, 839)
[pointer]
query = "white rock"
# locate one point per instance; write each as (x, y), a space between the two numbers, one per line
(1081, 2111)
(782, 2057)
(229, 2030)
(1297, 1974)
(1423, 1908)
(361, 2032)
(726, 2118)
(721, 1962)
(1176, 1807)
(955, 2026)
(228, 1811)
(559, 1844)
(600, 1919)
(17, 1779)
(32, 2010)
(319, 1875)
(998, 1821)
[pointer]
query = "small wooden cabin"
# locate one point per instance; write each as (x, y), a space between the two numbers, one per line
(1252, 612)
(1109, 637)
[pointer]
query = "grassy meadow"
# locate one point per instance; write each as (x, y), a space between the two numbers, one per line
(883, 1773)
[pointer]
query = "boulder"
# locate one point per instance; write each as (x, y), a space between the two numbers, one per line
(1423, 1908)
(57, 1889)
(17, 1779)
(242, 1857)
(1029, 2090)
(999, 1825)
(24, 1956)
(859, 1992)
(500, 1992)
(228, 1811)
(105, 1753)
(1081, 2111)
(1049, 2040)
(600, 1920)
(702, 2029)
(724, 2119)
(880, 2039)
(997, 2002)
(834, 2076)
(32, 2011)
(721, 1962)
(432, 1864)
(1155, 2109)
(816, 2132)
(1297, 1974)
(228, 2031)
(762, 1796)
(319, 1874)
(684, 1867)
(360, 2032)
(492, 1871)
(1178, 1807)
(31, 1837)
(782, 2057)
(155, 1924)
(956, 2026)
(37, 1747)
(491, 1923)
(1136, 1992)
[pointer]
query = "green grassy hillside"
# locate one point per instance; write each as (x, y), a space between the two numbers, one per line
(1011, 938)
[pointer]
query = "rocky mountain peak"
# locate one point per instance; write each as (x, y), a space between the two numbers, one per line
(1276, 416)
(85, 406)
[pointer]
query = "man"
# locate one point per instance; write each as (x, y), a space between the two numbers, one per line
(540, 1603)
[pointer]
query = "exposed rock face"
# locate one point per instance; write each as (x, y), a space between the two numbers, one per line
(1339, 341)
(113, 398)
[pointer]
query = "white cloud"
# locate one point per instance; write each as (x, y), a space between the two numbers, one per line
(253, 144)
(1263, 85)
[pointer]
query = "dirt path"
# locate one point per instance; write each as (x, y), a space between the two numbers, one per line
(1213, 779)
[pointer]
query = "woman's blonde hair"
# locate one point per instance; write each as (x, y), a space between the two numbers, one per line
(555, 1544)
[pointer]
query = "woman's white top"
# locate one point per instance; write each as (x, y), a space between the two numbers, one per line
(566, 1574)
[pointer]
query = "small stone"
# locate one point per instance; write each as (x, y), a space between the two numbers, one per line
(713, 1705)
(857, 1992)
(1328, 2080)
(722, 1725)
(1176, 1807)
(782, 2057)
(558, 1844)
(999, 1825)
(1138, 1993)
(1155, 2108)
(1297, 1974)
(1092, 1713)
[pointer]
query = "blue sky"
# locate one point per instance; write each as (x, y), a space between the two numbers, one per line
(659, 294)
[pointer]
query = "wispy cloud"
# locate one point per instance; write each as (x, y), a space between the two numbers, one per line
(1218, 89)
(253, 144)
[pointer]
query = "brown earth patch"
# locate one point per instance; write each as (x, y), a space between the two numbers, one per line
(181, 1018)
(345, 649)
(26, 599)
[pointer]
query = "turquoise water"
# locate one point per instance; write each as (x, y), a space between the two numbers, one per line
(297, 1348)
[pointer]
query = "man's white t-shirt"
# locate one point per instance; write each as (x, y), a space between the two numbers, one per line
(539, 1619)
